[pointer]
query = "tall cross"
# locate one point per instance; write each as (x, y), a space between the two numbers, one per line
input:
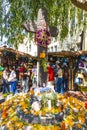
(41, 23)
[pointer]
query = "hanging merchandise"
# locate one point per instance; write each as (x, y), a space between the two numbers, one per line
(4, 53)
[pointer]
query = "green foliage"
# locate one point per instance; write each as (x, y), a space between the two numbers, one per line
(43, 64)
(21, 10)
(51, 96)
(64, 32)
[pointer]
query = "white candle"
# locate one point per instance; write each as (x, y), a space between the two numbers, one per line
(49, 104)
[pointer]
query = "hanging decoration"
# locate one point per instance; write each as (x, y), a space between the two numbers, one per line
(42, 37)
(43, 61)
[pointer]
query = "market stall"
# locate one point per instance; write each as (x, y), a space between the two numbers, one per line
(81, 70)
(11, 56)
(77, 64)
(65, 57)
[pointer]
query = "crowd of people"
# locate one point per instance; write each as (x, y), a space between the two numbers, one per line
(59, 76)
(26, 78)
(18, 77)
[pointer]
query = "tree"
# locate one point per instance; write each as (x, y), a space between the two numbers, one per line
(19, 11)
(80, 3)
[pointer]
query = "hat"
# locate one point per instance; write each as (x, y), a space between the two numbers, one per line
(80, 76)
(57, 62)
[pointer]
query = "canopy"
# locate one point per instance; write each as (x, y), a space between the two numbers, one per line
(62, 54)
(18, 53)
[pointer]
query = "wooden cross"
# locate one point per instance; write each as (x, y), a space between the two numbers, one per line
(41, 23)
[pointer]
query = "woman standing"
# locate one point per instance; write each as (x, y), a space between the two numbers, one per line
(13, 80)
(5, 80)
(59, 88)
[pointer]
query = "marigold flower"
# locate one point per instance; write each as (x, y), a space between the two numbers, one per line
(4, 114)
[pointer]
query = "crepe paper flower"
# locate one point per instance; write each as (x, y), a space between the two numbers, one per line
(63, 127)
(86, 105)
(43, 113)
(79, 125)
(42, 55)
(26, 111)
(42, 37)
(81, 119)
(31, 92)
(36, 113)
(9, 124)
(11, 119)
(4, 114)
(11, 128)
(19, 124)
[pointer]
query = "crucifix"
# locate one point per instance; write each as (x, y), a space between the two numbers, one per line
(41, 23)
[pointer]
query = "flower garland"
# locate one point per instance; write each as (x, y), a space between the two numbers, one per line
(43, 61)
(42, 37)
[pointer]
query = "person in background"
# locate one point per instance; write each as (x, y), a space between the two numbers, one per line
(34, 86)
(59, 86)
(5, 88)
(50, 73)
(65, 77)
(34, 74)
(25, 81)
(21, 71)
(12, 80)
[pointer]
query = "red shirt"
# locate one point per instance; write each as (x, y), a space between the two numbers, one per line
(50, 73)
(21, 69)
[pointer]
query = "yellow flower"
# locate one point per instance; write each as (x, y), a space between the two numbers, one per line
(42, 55)
(26, 111)
(19, 124)
(31, 92)
(69, 121)
(79, 125)
(81, 119)
(43, 113)
(36, 112)
(11, 128)
(10, 125)
(59, 109)
(10, 111)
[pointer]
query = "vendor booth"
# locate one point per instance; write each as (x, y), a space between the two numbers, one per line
(81, 70)
(10, 56)
(77, 67)
(66, 58)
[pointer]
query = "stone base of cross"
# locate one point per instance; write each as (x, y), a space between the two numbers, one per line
(41, 23)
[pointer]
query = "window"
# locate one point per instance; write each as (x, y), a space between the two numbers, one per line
(55, 48)
(29, 47)
(51, 49)
(48, 49)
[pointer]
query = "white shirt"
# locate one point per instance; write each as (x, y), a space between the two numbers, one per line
(12, 76)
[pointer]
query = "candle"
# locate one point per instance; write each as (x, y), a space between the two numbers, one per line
(49, 104)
